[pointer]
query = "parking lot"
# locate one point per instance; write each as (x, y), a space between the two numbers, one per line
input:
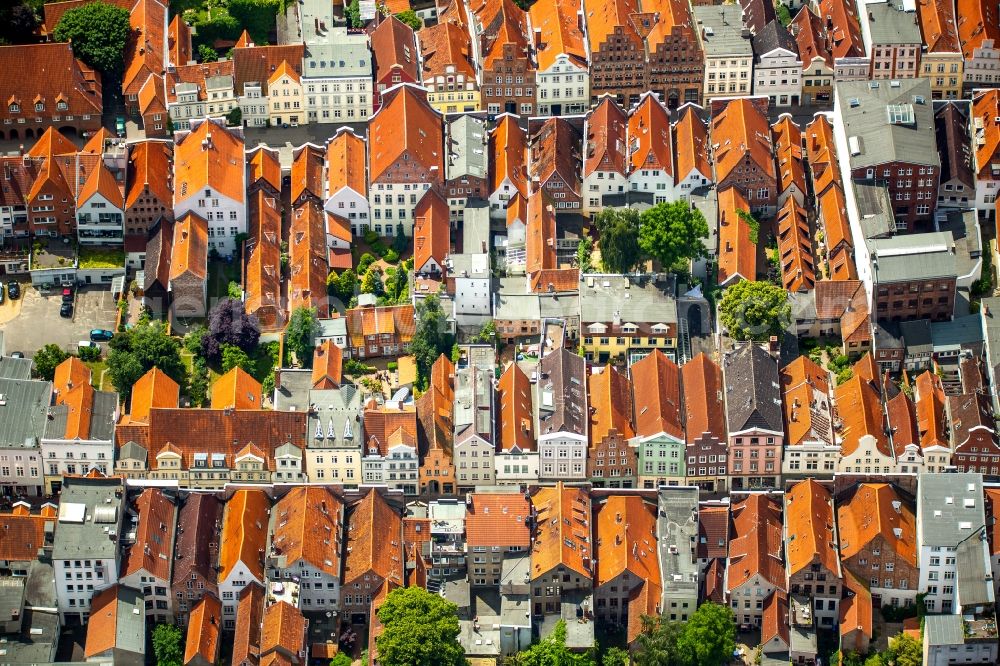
(39, 323)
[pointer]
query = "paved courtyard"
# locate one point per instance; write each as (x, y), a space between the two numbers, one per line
(39, 323)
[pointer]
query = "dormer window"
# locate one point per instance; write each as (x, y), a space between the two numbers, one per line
(62, 106)
(14, 108)
(39, 106)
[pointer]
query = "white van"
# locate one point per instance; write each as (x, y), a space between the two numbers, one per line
(87, 343)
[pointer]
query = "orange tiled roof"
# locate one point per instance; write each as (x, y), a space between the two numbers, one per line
(374, 540)
(219, 164)
(203, 631)
(554, 153)
(649, 136)
(153, 548)
(798, 272)
(606, 149)
(560, 33)
(821, 152)
(713, 532)
(810, 37)
(189, 250)
(24, 532)
(144, 50)
(405, 124)
(249, 615)
(704, 412)
(446, 50)
(562, 534)
(307, 172)
(937, 25)
(604, 17)
(196, 74)
(346, 160)
(867, 369)
(551, 280)
(626, 539)
(540, 233)
(508, 141)
(788, 153)
(263, 165)
(102, 625)
(516, 414)
(775, 619)
(394, 47)
(690, 146)
(498, 519)
(610, 405)
(737, 251)
(807, 410)
(859, 408)
(284, 629)
(284, 69)
(844, 37)
(656, 396)
(672, 17)
(327, 370)
(512, 29)
(741, 130)
(395, 320)
(436, 409)
(244, 533)
(236, 390)
(756, 547)
(69, 374)
(178, 41)
(931, 411)
(856, 609)
(993, 518)
(978, 20)
(49, 74)
(810, 531)
(833, 213)
(903, 421)
(154, 389)
(258, 63)
(307, 528)
(871, 512)
(644, 601)
(308, 259)
(986, 107)
(149, 168)
(431, 231)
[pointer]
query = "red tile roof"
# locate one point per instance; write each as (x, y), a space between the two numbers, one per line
(508, 142)
(283, 633)
(46, 74)
(740, 131)
(871, 512)
(446, 50)
(308, 259)
(795, 255)
(346, 162)
(307, 172)
(649, 136)
(102, 625)
(810, 532)
(713, 532)
(327, 370)
(236, 390)
(625, 533)
(258, 64)
(540, 234)
(249, 616)
(264, 166)
(218, 164)
(498, 519)
(978, 20)
(690, 146)
(844, 37)
(244, 533)
(515, 410)
(189, 250)
(153, 549)
(737, 251)
(406, 124)
(560, 33)
(701, 378)
(931, 402)
(555, 153)
(394, 48)
(431, 231)
(150, 164)
(775, 619)
(24, 532)
(937, 26)
(656, 396)
(397, 320)
(307, 529)
(856, 612)
(757, 544)
(860, 411)
(374, 540)
(610, 397)
(554, 280)
(606, 148)
(810, 36)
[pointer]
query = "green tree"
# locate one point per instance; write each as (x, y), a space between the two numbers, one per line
(137, 350)
(300, 334)
(400, 241)
(410, 18)
(234, 291)
(396, 286)
(673, 232)
(709, 636)
(584, 253)
(419, 629)
(904, 650)
(552, 651)
(752, 222)
(257, 16)
(235, 119)
(234, 357)
(197, 388)
(619, 230)
(98, 33)
(366, 260)
(431, 339)
(657, 643)
(353, 12)
(341, 659)
(784, 15)
(372, 283)
(207, 54)
(46, 359)
(344, 285)
(168, 645)
(17, 22)
(754, 310)
(615, 656)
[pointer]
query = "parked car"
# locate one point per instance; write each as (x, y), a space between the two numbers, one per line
(84, 344)
(14, 289)
(17, 354)
(1, 293)
(101, 335)
(66, 310)
(67, 295)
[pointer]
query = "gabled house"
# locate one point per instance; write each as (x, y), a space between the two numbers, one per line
(504, 50)
(435, 430)
(753, 411)
(705, 434)
(986, 135)
(611, 461)
(562, 71)
(394, 50)
(195, 552)
(844, 41)
(148, 195)
(149, 562)
(249, 619)
(777, 70)
(756, 566)
(814, 53)
(973, 434)
(374, 558)
(473, 422)
(508, 170)
(810, 445)
(692, 169)
(516, 460)
(941, 60)
(308, 259)
(204, 632)
(605, 162)
(390, 453)
(737, 250)
(958, 179)
(188, 285)
(795, 253)
(742, 150)
(241, 554)
(626, 556)
(811, 555)
(860, 425)
(262, 275)
(283, 635)
(650, 149)
(932, 429)
(554, 151)
(657, 413)
(431, 235)
(561, 415)
(562, 551)
(979, 34)
(347, 180)
(790, 159)
(116, 630)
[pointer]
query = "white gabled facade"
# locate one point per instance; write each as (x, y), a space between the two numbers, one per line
(778, 75)
(100, 221)
(562, 89)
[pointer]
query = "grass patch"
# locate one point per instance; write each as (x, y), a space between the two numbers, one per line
(101, 257)
(97, 369)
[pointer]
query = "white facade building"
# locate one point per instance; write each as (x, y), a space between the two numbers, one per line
(336, 67)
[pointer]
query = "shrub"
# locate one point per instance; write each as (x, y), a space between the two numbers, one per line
(370, 237)
(90, 354)
(392, 366)
(355, 367)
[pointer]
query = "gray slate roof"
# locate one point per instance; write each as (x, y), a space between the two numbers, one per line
(726, 24)
(102, 420)
(888, 25)
(975, 581)
(753, 393)
(944, 629)
(562, 393)
(967, 330)
(15, 368)
(87, 539)
(23, 417)
(880, 140)
(605, 298)
(916, 335)
(466, 148)
(942, 522)
(875, 209)
(914, 257)
(773, 36)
